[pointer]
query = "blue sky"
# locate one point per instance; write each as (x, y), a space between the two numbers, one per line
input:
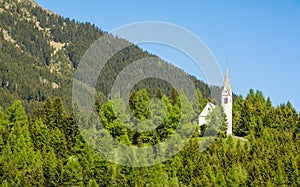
(259, 40)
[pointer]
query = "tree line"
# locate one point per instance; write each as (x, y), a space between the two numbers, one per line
(47, 149)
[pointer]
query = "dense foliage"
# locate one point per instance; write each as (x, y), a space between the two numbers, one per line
(46, 149)
(40, 144)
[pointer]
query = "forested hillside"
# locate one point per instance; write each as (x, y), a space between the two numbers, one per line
(41, 145)
(40, 52)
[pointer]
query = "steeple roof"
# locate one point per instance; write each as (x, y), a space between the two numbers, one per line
(227, 82)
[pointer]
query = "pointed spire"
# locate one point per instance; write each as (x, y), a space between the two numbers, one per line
(227, 81)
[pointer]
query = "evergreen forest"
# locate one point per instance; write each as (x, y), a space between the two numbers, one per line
(42, 145)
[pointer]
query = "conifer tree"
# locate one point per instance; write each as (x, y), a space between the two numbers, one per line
(51, 170)
(93, 183)
(72, 173)
(173, 96)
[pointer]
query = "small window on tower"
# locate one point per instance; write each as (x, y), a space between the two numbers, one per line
(225, 100)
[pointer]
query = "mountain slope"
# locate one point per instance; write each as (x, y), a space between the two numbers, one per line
(40, 51)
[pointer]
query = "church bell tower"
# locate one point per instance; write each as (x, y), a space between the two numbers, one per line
(227, 102)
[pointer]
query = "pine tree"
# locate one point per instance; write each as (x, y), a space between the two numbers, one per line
(173, 96)
(40, 135)
(142, 105)
(93, 183)
(158, 94)
(50, 167)
(21, 164)
(47, 114)
(72, 173)
(37, 178)
(232, 178)
(220, 179)
(16, 113)
(59, 144)
(279, 179)
(59, 114)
